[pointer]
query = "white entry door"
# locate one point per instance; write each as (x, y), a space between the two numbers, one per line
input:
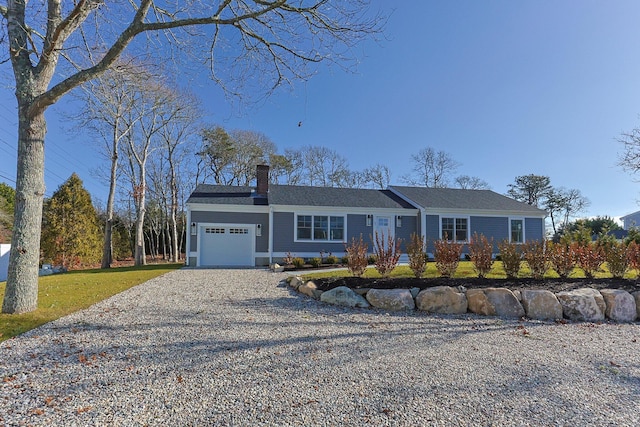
(227, 245)
(383, 225)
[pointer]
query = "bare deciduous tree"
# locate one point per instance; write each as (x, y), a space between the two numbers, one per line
(378, 176)
(431, 168)
(109, 112)
(272, 39)
(564, 203)
(467, 182)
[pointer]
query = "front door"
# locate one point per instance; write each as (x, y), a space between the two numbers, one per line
(383, 225)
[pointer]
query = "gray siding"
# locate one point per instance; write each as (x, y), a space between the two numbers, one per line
(409, 225)
(491, 227)
(432, 231)
(262, 242)
(533, 229)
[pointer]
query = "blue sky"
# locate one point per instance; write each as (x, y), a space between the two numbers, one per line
(506, 87)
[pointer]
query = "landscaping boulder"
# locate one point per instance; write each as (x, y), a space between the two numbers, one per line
(344, 296)
(310, 289)
(479, 303)
(541, 304)
(636, 297)
(621, 306)
(585, 305)
(499, 302)
(295, 282)
(391, 299)
(442, 300)
(276, 268)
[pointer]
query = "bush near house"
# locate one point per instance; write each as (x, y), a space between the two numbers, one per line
(356, 256)
(416, 250)
(511, 258)
(447, 256)
(481, 254)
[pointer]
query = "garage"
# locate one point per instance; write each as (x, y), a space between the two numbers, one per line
(225, 245)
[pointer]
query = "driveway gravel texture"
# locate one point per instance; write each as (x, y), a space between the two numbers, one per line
(238, 348)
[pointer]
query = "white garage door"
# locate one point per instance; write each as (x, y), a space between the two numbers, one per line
(224, 245)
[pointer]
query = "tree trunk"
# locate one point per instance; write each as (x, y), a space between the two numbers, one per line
(173, 211)
(107, 248)
(140, 200)
(21, 293)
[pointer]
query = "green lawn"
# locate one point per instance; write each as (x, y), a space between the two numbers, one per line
(62, 294)
(465, 269)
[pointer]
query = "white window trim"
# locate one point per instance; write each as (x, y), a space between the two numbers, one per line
(454, 217)
(524, 228)
(314, 214)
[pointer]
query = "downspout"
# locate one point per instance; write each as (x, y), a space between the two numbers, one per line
(187, 227)
(270, 235)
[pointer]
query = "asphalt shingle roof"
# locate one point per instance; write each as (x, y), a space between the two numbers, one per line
(454, 198)
(293, 195)
(301, 196)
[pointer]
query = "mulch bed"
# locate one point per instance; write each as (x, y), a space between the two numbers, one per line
(553, 285)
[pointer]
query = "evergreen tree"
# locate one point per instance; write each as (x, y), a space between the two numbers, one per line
(70, 232)
(7, 205)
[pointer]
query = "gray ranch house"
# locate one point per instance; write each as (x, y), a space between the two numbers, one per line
(255, 226)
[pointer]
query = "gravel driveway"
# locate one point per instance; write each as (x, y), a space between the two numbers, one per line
(234, 348)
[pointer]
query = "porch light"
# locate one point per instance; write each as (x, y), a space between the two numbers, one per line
(369, 220)
(259, 230)
(399, 221)
(194, 229)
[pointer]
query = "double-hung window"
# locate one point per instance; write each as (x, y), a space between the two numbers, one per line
(320, 228)
(455, 229)
(516, 230)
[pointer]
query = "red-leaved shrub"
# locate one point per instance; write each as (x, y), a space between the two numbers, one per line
(387, 253)
(562, 257)
(447, 257)
(589, 257)
(356, 256)
(417, 255)
(511, 258)
(536, 256)
(481, 254)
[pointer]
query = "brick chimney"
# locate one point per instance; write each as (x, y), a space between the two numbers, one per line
(262, 180)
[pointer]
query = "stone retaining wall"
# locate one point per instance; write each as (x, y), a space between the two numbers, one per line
(585, 305)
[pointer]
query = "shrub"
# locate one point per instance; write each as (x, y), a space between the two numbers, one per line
(536, 256)
(288, 259)
(633, 255)
(387, 253)
(511, 258)
(371, 259)
(356, 256)
(447, 256)
(589, 258)
(562, 257)
(480, 253)
(315, 262)
(344, 260)
(417, 255)
(332, 259)
(617, 259)
(297, 262)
